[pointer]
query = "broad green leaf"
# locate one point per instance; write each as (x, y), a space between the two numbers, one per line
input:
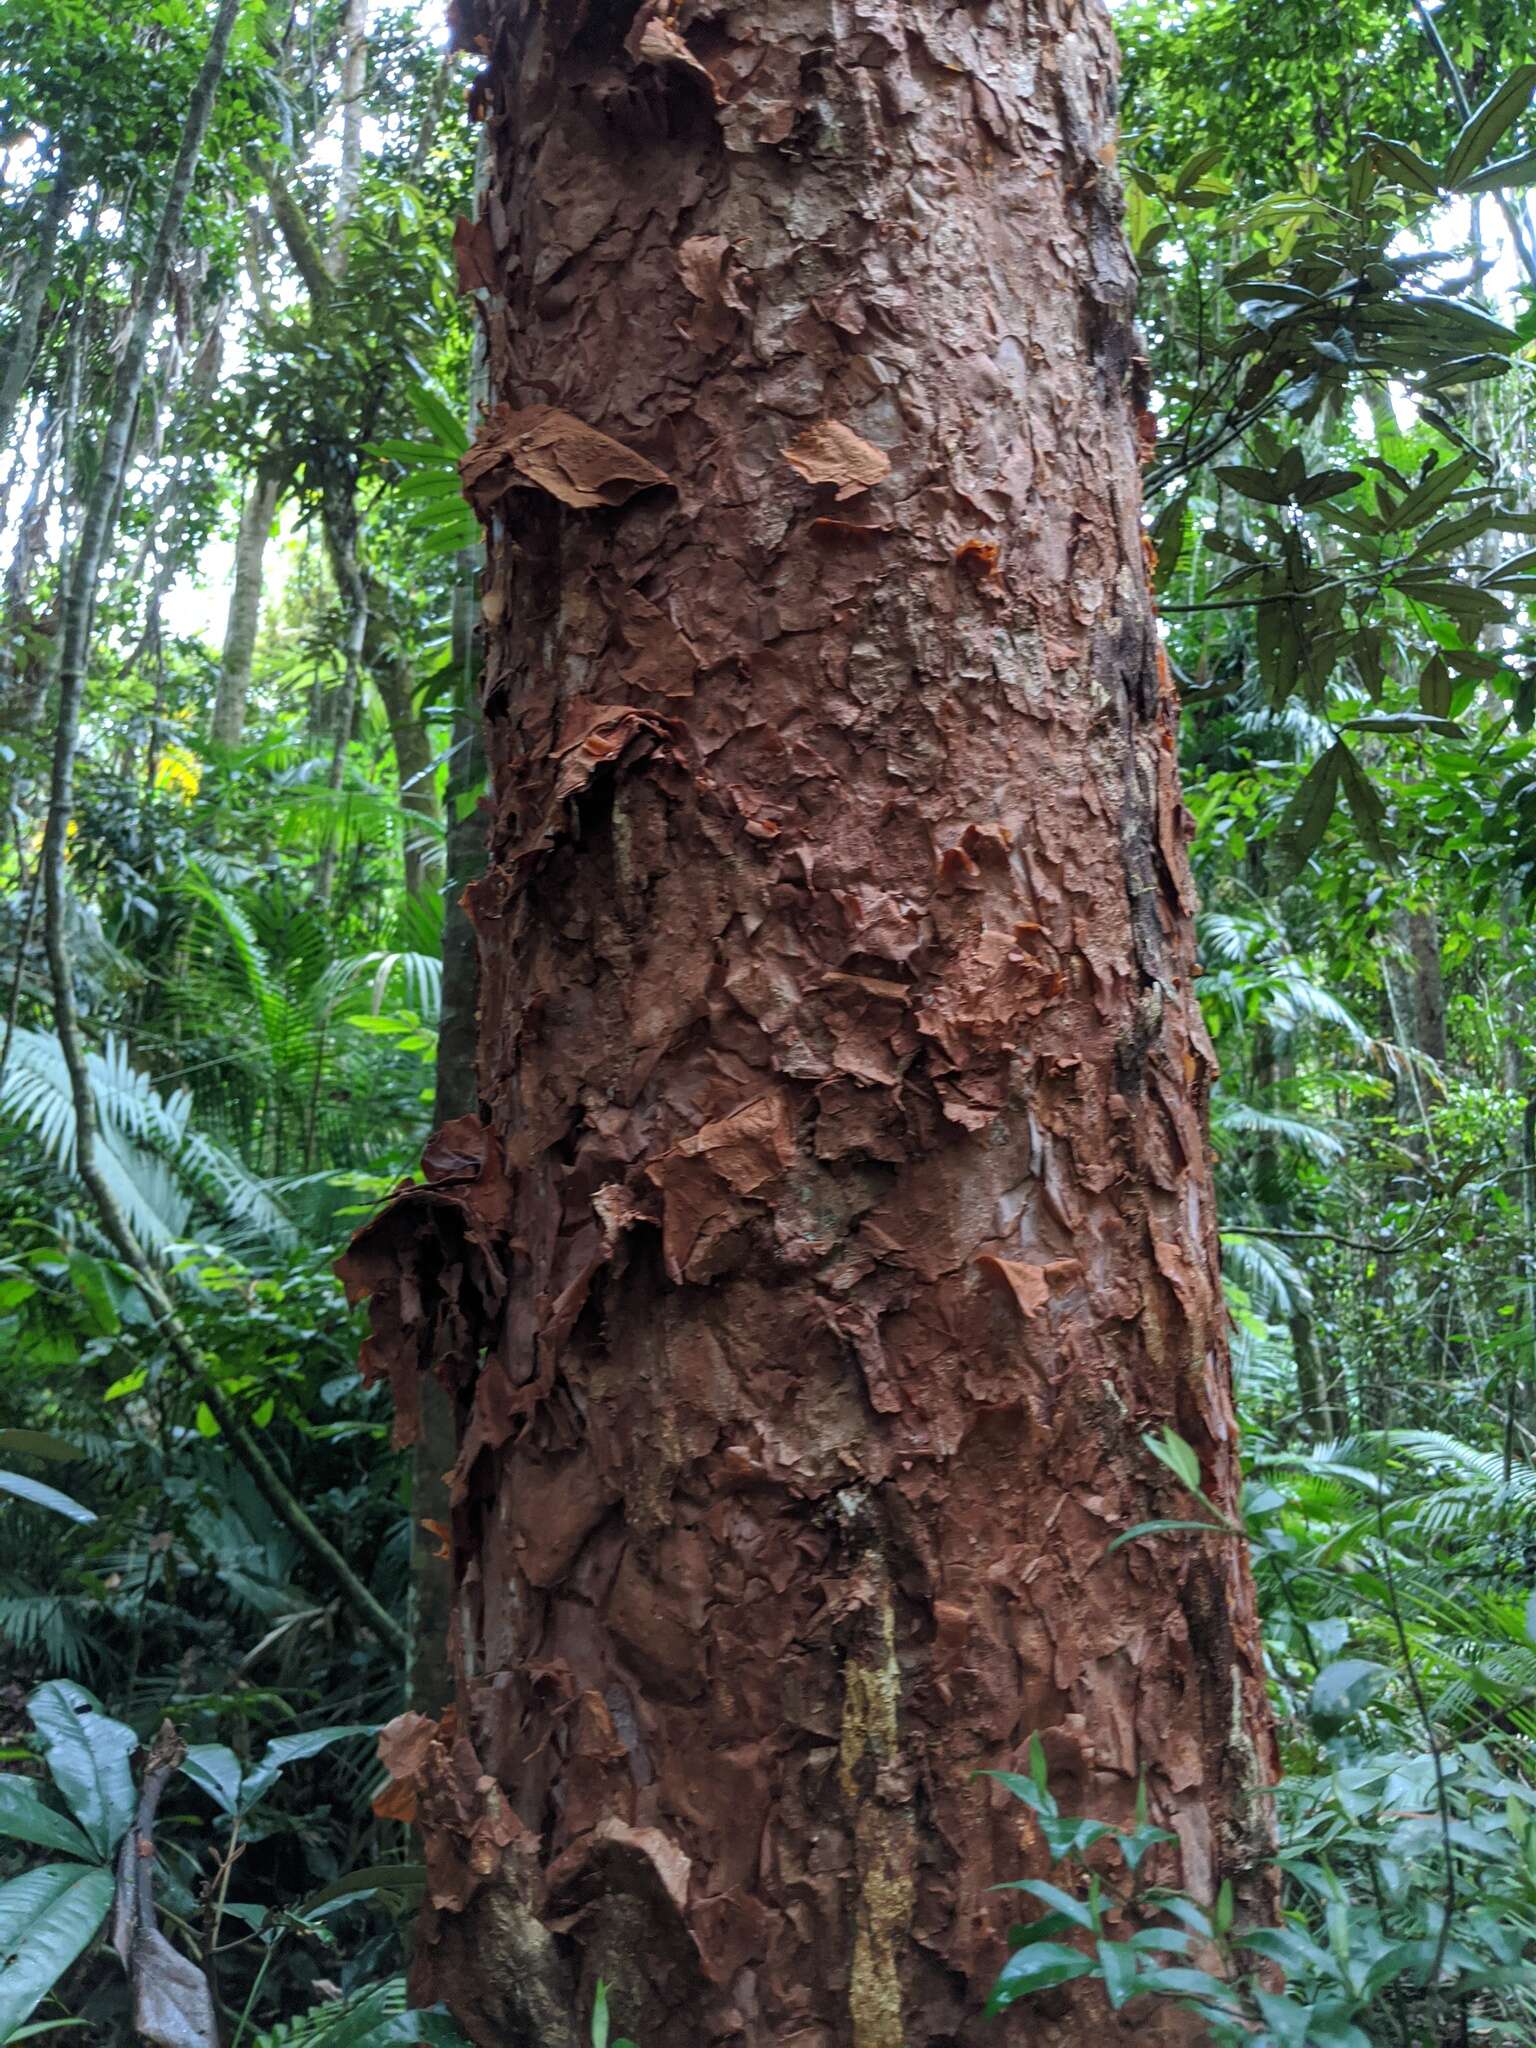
(88, 1755)
(1286, 2020)
(1405, 166)
(1248, 482)
(1433, 490)
(1118, 1967)
(439, 419)
(1507, 174)
(1068, 1835)
(1036, 1968)
(36, 1495)
(48, 1916)
(1137, 1843)
(216, 1769)
(1034, 1796)
(1490, 123)
(1078, 1911)
(1341, 1689)
(25, 1818)
(405, 1878)
(1178, 1982)
(1366, 808)
(1327, 483)
(289, 1749)
(1435, 687)
(1171, 1450)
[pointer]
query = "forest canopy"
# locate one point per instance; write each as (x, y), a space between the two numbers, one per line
(272, 272)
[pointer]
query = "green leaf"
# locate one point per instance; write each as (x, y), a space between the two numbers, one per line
(1509, 173)
(1067, 1835)
(1076, 1910)
(1118, 1966)
(25, 1818)
(1171, 1450)
(1177, 1982)
(1490, 123)
(1165, 1527)
(407, 1879)
(1405, 721)
(290, 1749)
(1435, 487)
(1327, 483)
(1189, 180)
(39, 1496)
(1034, 1796)
(1435, 687)
(1259, 484)
(1286, 2020)
(1366, 807)
(88, 1755)
(1342, 1688)
(1138, 1842)
(1403, 165)
(439, 419)
(48, 1916)
(1036, 1968)
(216, 1770)
(89, 1277)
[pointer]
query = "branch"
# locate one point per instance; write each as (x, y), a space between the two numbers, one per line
(298, 236)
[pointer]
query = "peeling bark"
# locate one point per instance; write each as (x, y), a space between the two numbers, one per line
(839, 1214)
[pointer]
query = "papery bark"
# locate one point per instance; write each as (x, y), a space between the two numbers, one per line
(839, 1216)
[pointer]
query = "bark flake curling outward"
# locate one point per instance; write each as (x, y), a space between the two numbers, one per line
(839, 1214)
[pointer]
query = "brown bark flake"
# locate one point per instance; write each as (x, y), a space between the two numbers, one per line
(542, 447)
(829, 453)
(838, 1217)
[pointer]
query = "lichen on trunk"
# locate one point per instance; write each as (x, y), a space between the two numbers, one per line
(839, 1216)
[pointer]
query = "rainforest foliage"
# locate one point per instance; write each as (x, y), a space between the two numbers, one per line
(259, 852)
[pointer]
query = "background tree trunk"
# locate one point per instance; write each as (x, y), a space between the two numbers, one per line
(354, 83)
(244, 613)
(843, 1217)
(30, 299)
(409, 739)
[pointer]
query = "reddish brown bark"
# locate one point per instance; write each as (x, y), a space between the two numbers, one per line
(840, 1216)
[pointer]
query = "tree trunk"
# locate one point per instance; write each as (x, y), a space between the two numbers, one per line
(457, 1095)
(30, 299)
(349, 173)
(843, 1217)
(409, 740)
(244, 613)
